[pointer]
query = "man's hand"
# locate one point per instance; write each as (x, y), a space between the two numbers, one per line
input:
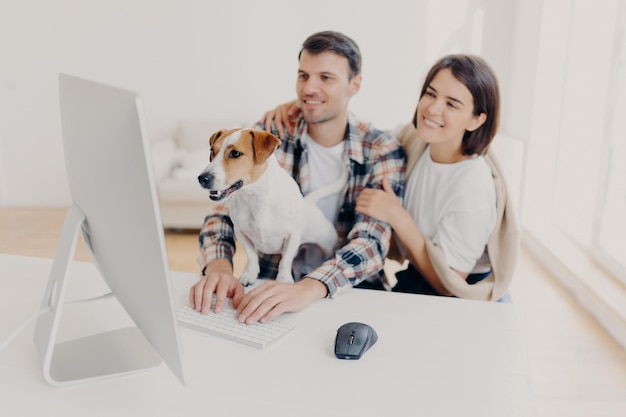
(218, 279)
(271, 299)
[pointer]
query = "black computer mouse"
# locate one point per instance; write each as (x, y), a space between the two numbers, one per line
(353, 340)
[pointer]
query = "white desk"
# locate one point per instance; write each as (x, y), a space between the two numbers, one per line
(435, 356)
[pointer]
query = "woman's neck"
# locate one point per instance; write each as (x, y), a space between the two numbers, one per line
(442, 153)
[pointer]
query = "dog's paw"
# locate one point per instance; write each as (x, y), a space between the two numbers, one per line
(248, 278)
(285, 278)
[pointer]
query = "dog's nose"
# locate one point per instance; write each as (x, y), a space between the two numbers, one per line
(205, 180)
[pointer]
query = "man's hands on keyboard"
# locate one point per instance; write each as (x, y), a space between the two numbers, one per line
(226, 325)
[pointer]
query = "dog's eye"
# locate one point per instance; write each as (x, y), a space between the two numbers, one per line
(211, 154)
(234, 154)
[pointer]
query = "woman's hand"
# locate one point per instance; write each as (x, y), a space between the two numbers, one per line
(383, 204)
(284, 118)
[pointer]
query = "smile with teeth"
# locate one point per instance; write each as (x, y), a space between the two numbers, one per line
(218, 195)
(431, 123)
(313, 102)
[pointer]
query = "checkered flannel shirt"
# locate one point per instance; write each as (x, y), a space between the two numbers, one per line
(370, 156)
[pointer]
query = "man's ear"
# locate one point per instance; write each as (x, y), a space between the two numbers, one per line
(355, 84)
(263, 145)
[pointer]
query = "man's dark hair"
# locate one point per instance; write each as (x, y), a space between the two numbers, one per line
(334, 42)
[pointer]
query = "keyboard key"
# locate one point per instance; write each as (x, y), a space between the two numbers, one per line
(226, 325)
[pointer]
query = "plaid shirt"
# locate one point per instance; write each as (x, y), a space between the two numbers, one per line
(370, 156)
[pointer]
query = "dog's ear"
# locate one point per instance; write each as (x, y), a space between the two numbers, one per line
(263, 144)
(215, 136)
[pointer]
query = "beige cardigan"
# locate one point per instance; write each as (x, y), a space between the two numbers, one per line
(503, 244)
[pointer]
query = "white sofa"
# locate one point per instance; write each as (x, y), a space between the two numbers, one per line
(177, 163)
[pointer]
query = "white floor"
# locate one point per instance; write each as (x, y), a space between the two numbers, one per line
(578, 370)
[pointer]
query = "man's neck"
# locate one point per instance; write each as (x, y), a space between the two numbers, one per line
(329, 133)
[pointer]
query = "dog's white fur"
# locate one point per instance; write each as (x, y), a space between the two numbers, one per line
(266, 207)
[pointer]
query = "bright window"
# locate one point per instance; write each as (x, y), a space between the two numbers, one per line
(610, 234)
(576, 170)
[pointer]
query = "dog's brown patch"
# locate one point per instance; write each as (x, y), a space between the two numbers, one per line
(246, 158)
(215, 137)
(263, 144)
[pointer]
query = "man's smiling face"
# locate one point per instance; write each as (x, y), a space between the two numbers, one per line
(324, 86)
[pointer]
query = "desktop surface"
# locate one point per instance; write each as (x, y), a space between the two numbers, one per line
(435, 356)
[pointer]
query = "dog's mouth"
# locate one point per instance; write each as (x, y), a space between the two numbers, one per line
(219, 195)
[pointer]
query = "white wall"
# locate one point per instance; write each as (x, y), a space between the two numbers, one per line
(221, 59)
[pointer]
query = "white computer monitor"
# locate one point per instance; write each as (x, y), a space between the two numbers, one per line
(115, 206)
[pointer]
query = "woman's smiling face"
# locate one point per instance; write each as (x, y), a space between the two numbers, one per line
(445, 112)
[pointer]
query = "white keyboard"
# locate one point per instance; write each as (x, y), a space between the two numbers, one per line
(226, 325)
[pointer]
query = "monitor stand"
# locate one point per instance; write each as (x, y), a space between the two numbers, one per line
(105, 355)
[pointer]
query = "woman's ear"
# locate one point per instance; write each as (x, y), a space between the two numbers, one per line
(477, 122)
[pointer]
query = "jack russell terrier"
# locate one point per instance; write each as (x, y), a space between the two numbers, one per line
(266, 207)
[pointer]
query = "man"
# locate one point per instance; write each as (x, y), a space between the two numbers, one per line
(328, 139)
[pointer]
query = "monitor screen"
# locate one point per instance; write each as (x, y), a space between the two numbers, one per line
(115, 206)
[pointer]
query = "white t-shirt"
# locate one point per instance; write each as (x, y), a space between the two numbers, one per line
(455, 206)
(325, 166)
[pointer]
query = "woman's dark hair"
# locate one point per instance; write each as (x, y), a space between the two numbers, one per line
(473, 72)
(334, 42)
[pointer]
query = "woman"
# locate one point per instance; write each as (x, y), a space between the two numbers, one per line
(456, 225)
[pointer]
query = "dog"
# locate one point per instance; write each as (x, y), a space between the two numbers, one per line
(268, 212)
